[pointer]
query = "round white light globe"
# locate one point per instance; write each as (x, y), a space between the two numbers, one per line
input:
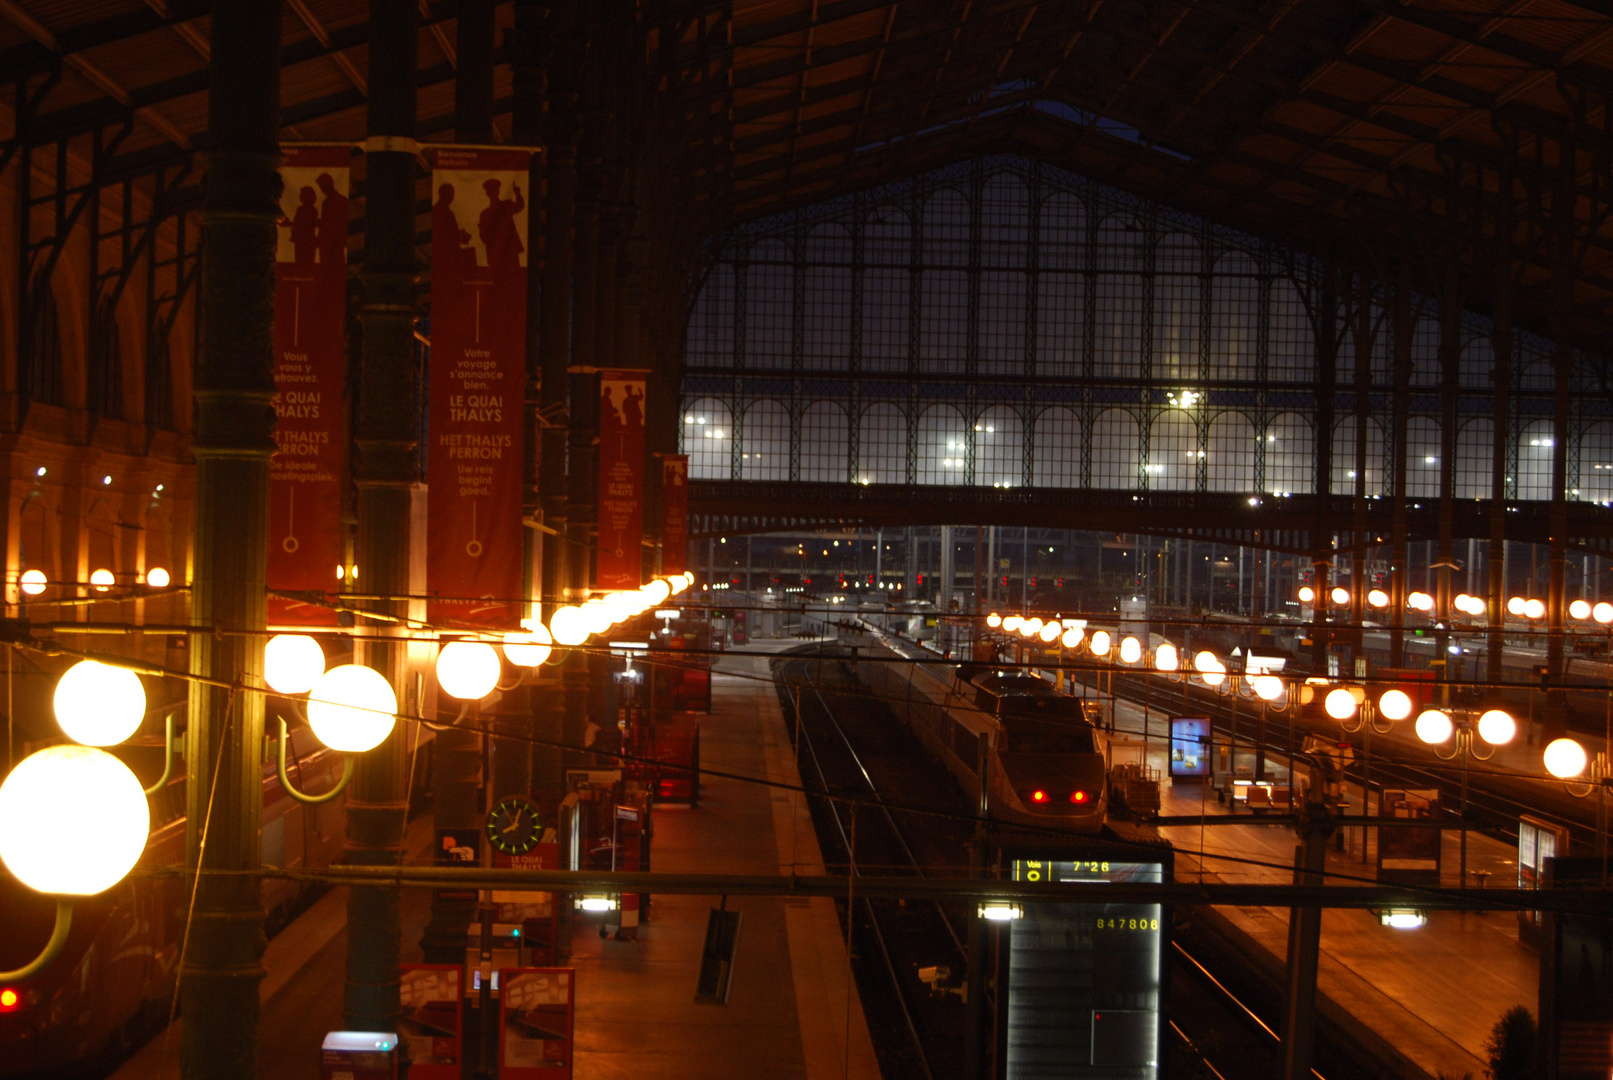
(292, 663)
(1340, 596)
(1433, 726)
(1565, 758)
(1378, 598)
(99, 705)
(1166, 658)
(657, 591)
(73, 821)
(677, 584)
(1516, 605)
(352, 708)
(597, 616)
(994, 620)
(1268, 687)
(1072, 637)
(1100, 643)
(1206, 660)
(1395, 704)
(468, 670)
(1306, 594)
(1012, 623)
(1050, 632)
(1031, 627)
(568, 626)
(1131, 650)
(102, 580)
(157, 578)
(1497, 727)
(529, 648)
(1534, 609)
(1420, 601)
(1603, 612)
(33, 582)
(1580, 609)
(1339, 704)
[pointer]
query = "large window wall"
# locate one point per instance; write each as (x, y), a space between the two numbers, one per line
(1006, 323)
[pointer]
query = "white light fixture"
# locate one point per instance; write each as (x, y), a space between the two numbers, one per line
(1580, 609)
(99, 705)
(468, 670)
(597, 903)
(1394, 705)
(1565, 758)
(102, 580)
(1072, 637)
(1012, 623)
(1515, 605)
(352, 708)
(1131, 650)
(1000, 911)
(293, 663)
(568, 626)
(994, 620)
(1268, 687)
(1166, 658)
(1434, 727)
(1534, 609)
(658, 591)
(157, 578)
(73, 821)
(1049, 632)
(1378, 598)
(1603, 612)
(33, 582)
(1100, 643)
(1340, 596)
(1420, 601)
(1307, 595)
(1497, 727)
(1403, 919)
(596, 616)
(530, 648)
(1340, 704)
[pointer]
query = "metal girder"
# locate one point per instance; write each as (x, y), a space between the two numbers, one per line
(33, 58)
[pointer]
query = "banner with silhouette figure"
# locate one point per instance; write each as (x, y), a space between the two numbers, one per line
(477, 386)
(621, 480)
(674, 513)
(310, 365)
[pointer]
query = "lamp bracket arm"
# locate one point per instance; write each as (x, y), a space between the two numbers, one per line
(53, 947)
(285, 780)
(167, 755)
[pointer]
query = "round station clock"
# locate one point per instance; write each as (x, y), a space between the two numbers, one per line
(514, 825)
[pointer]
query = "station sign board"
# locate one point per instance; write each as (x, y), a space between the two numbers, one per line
(1085, 981)
(1409, 856)
(536, 1016)
(432, 1019)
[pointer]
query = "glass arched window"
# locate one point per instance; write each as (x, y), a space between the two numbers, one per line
(825, 440)
(707, 437)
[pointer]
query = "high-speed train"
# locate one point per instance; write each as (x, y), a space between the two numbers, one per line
(1046, 762)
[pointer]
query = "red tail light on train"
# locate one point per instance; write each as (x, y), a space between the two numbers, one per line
(10, 1000)
(1079, 796)
(1038, 796)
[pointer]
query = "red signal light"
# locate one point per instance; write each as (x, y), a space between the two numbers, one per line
(8, 999)
(1078, 796)
(1038, 795)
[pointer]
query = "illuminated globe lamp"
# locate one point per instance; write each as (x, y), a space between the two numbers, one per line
(1534, 609)
(1580, 609)
(1516, 605)
(1434, 726)
(1012, 623)
(352, 708)
(1131, 650)
(98, 704)
(530, 647)
(1166, 658)
(468, 670)
(1268, 687)
(1307, 595)
(1049, 632)
(1210, 668)
(1497, 727)
(657, 591)
(73, 822)
(1340, 596)
(1031, 627)
(1603, 613)
(994, 620)
(1340, 703)
(292, 663)
(678, 582)
(1100, 644)
(33, 582)
(102, 580)
(597, 616)
(568, 626)
(1565, 758)
(1072, 637)
(1420, 601)
(1377, 598)
(157, 578)
(1394, 705)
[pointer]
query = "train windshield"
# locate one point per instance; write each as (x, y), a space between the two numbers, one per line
(1045, 725)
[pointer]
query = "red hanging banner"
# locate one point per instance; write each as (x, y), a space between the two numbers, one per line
(478, 386)
(674, 514)
(621, 480)
(310, 361)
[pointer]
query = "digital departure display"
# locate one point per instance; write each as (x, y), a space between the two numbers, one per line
(1084, 979)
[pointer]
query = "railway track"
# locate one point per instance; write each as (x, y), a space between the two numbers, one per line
(850, 745)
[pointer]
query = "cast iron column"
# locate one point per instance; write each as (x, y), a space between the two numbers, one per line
(457, 759)
(385, 471)
(232, 446)
(1501, 381)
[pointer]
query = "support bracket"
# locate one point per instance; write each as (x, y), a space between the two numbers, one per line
(285, 781)
(53, 947)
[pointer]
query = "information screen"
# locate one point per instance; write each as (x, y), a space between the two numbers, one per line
(1084, 980)
(1190, 746)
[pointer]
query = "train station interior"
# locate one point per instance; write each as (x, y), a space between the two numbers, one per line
(878, 539)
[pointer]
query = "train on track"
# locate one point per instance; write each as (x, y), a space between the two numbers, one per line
(113, 985)
(1044, 760)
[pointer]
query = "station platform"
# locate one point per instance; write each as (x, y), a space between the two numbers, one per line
(794, 1013)
(1424, 1000)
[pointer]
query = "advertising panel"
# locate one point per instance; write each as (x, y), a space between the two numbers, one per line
(432, 1020)
(477, 387)
(310, 365)
(674, 514)
(1085, 980)
(1409, 856)
(535, 1023)
(621, 480)
(1190, 747)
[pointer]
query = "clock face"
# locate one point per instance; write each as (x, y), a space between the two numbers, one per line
(514, 825)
